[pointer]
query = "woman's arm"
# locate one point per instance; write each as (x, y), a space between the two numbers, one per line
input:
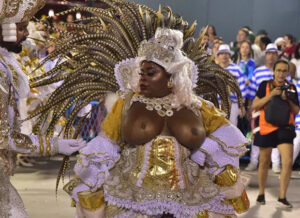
(294, 108)
(260, 102)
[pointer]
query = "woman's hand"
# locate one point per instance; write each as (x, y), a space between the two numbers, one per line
(276, 91)
(283, 95)
(260, 102)
(69, 146)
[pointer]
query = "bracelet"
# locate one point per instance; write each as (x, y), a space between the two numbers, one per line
(41, 143)
(48, 146)
(55, 146)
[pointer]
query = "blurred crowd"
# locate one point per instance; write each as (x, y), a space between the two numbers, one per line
(251, 58)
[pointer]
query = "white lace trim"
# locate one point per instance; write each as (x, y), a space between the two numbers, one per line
(24, 6)
(145, 164)
(10, 59)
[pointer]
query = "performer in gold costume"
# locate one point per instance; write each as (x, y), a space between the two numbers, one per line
(164, 151)
(14, 16)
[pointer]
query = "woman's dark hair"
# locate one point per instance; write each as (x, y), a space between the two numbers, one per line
(214, 32)
(290, 37)
(281, 61)
(265, 40)
(297, 53)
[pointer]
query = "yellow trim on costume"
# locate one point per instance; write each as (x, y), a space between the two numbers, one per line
(240, 204)
(41, 143)
(228, 177)
(91, 200)
(73, 203)
(212, 117)
(203, 214)
(112, 122)
(48, 146)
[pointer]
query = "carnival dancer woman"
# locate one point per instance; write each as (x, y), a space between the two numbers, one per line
(161, 146)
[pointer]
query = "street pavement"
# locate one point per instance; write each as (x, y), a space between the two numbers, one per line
(36, 186)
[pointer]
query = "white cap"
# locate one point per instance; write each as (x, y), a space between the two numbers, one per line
(271, 47)
(224, 48)
(279, 39)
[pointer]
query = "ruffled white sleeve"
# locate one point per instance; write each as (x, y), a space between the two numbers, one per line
(223, 147)
(93, 164)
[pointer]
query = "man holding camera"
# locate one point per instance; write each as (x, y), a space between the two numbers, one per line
(277, 101)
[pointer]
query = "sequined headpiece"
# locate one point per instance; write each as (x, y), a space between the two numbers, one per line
(16, 11)
(165, 50)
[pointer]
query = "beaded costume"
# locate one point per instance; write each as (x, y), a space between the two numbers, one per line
(161, 176)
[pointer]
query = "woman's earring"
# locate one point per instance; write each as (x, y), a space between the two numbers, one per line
(170, 84)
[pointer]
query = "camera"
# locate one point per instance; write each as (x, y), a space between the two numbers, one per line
(290, 93)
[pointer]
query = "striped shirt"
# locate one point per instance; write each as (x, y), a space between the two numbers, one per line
(260, 74)
(236, 71)
(297, 117)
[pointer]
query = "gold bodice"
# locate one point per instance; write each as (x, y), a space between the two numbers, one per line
(161, 170)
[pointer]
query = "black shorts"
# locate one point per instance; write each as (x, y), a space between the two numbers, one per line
(281, 135)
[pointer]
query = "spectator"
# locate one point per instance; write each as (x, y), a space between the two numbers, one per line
(251, 36)
(70, 18)
(292, 68)
(242, 35)
(281, 45)
(271, 136)
(261, 74)
(245, 61)
(211, 31)
(204, 43)
(264, 41)
(223, 59)
(259, 46)
(296, 141)
(296, 61)
(290, 47)
(217, 42)
(257, 50)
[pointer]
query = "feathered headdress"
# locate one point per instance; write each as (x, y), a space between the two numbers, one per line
(105, 38)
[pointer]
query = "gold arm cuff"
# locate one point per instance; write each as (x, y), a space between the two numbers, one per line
(228, 177)
(48, 146)
(240, 204)
(73, 183)
(203, 214)
(73, 203)
(41, 142)
(91, 200)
